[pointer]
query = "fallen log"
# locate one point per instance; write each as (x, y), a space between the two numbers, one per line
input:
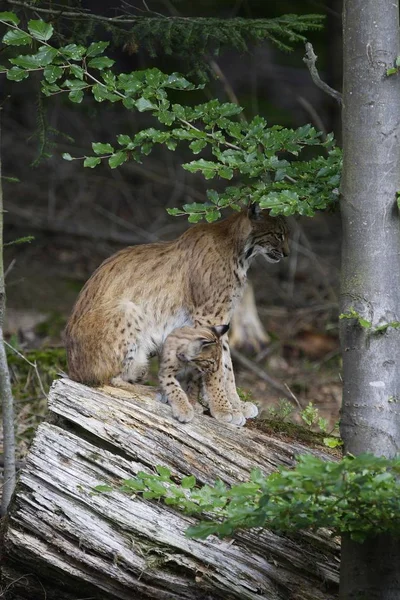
(61, 541)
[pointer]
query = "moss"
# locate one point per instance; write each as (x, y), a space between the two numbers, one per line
(289, 431)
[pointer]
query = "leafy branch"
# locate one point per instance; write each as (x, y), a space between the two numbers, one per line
(266, 162)
(357, 496)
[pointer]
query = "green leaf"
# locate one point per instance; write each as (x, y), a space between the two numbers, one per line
(143, 104)
(97, 48)
(226, 172)
(101, 93)
(73, 51)
(397, 63)
(213, 196)
(17, 74)
(188, 482)
(67, 156)
(76, 96)
(163, 471)
(212, 215)
(91, 161)
(16, 38)
(32, 61)
(117, 159)
(332, 442)
(201, 531)
(392, 71)
(129, 103)
(40, 30)
(48, 89)
(52, 73)
(99, 148)
(9, 17)
(197, 146)
(102, 62)
(74, 84)
(195, 218)
(103, 488)
(123, 139)
(77, 71)
(364, 323)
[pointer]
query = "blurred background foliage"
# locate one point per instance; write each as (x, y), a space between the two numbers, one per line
(80, 216)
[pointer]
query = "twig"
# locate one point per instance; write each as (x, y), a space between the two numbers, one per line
(10, 267)
(293, 396)
(227, 86)
(249, 364)
(33, 365)
(310, 59)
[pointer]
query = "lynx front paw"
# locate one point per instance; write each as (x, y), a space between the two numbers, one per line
(249, 410)
(238, 418)
(184, 414)
(223, 416)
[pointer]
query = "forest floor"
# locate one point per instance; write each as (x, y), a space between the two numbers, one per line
(297, 302)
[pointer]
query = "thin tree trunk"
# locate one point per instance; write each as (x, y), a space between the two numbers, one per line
(5, 385)
(371, 270)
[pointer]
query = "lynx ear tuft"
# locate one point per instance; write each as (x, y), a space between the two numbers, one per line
(254, 212)
(220, 330)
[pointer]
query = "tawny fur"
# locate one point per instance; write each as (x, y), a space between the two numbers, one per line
(191, 362)
(138, 296)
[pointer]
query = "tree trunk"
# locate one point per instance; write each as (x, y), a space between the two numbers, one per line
(63, 538)
(7, 404)
(371, 269)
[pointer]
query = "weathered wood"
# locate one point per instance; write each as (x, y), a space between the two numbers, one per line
(62, 542)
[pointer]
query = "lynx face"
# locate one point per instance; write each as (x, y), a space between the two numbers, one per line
(269, 235)
(200, 347)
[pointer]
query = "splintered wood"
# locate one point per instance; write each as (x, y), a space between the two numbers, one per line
(62, 541)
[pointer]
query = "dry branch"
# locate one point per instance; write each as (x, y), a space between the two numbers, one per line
(76, 544)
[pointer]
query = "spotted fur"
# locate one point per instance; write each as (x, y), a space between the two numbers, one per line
(137, 297)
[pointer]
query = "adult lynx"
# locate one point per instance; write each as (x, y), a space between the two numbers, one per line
(138, 296)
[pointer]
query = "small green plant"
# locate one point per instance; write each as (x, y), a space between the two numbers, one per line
(357, 496)
(365, 324)
(310, 415)
(282, 411)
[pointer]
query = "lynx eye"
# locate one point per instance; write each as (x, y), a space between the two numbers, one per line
(207, 342)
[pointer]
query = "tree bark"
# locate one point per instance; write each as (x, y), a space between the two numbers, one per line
(7, 403)
(371, 269)
(61, 537)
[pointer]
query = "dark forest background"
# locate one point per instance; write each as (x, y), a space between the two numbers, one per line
(80, 216)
